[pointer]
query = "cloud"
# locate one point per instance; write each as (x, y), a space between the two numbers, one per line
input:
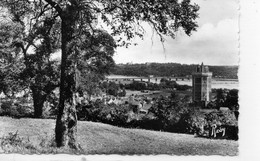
(214, 43)
(211, 44)
(213, 11)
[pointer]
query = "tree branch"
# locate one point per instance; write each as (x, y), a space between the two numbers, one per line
(56, 6)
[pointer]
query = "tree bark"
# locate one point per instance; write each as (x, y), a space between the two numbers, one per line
(66, 123)
(38, 101)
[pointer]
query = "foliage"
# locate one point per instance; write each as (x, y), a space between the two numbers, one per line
(8, 109)
(52, 101)
(164, 84)
(171, 69)
(147, 122)
(221, 118)
(182, 87)
(19, 108)
(107, 113)
(90, 111)
(114, 114)
(166, 114)
(10, 62)
(14, 143)
(221, 95)
(172, 112)
(226, 98)
(89, 83)
(232, 100)
(136, 85)
(225, 119)
(31, 41)
(92, 56)
(113, 89)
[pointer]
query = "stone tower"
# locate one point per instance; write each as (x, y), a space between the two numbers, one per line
(201, 85)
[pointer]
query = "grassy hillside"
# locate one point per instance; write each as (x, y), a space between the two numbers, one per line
(98, 138)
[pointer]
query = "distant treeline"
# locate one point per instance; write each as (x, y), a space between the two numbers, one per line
(172, 69)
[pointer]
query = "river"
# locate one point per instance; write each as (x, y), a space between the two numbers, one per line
(216, 83)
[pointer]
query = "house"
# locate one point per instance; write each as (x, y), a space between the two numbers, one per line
(223, 109)
(145, 108)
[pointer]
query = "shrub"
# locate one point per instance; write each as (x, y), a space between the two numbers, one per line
(197, 123)
(5, 105)
(147, 123)
(182, 87)
(14, 143)
(114, 114)
(90, 112)
(221, 118)
(9, 109)
(207, 123)
(173, 112)
(53, 101)
(18, 109)
(23, 111)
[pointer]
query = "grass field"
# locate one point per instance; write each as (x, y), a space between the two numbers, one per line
(98, 138)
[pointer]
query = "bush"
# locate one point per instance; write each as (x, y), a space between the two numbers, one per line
(136, 85)
(17, 109)
(9, 109)
(197, 123)
(147, 123)
(13, 143)
(6, 105)
(182, 87)
(221, 118)
(173, 113)
(114, 114)
(99, 112)
(53, 101)
(206, 124)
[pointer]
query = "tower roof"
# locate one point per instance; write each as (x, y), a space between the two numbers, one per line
(202, 68)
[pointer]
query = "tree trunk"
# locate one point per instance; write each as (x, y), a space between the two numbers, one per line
(38, 101)
(66, 123)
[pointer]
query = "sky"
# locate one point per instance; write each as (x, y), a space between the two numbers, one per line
(214, 43)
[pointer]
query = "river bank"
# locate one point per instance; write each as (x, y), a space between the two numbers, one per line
(216, 82)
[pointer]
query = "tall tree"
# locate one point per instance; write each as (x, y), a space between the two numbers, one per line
(124, 19)
(35, 39)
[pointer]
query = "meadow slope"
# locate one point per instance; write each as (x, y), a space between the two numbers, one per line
(98, 138)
